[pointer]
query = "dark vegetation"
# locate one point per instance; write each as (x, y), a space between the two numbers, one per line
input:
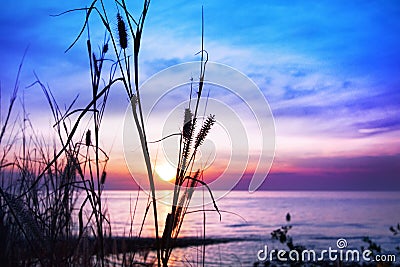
(52, 211)
(282, 235)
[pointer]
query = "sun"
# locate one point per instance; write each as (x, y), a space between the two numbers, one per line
(166, 172)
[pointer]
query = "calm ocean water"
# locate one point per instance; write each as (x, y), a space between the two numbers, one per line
(318, 220)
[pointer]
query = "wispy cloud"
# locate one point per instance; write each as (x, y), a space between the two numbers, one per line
(329, 70)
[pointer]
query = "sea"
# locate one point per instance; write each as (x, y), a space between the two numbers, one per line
(318, 221)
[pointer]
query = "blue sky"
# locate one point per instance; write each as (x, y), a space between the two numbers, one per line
(329, 69)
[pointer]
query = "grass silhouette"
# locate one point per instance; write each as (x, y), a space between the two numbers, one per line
(51, 198)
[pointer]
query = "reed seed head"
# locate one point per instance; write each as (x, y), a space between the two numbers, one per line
(105, 48)
(122, 32)
(187, 124)
(201, 136)
(88, 138)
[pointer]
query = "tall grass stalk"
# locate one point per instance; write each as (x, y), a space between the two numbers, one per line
(187, 179)
(119, 43)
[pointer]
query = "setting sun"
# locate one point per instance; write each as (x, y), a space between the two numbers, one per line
(166, 172)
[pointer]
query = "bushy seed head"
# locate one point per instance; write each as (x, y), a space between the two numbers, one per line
(204, 130)
(122, 32)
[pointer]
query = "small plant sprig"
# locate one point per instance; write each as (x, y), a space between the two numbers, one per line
(395, 229)
(374, 247)
(281, 234)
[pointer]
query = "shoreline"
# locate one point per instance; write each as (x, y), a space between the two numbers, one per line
(126, 244)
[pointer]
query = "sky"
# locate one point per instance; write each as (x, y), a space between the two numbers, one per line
(330, 71)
